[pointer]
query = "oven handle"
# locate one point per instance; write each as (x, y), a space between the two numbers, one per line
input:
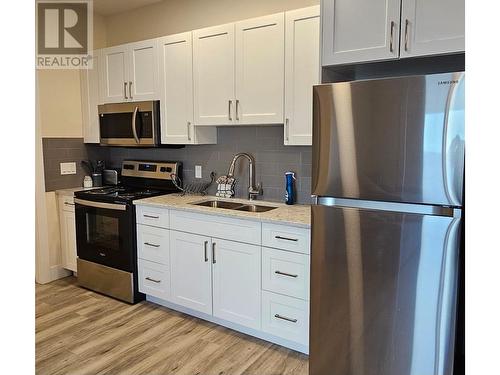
(111, 206)
(134, 130)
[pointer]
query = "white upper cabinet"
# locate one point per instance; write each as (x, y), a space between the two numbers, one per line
(191, 271)
(360, 30)
(236, 282)
(259, 53)
(302, 72)
(90, 96)
(129, 72)
(114, 76)
(143, 70)
(176, 80)
(213, 70)
(432, 27)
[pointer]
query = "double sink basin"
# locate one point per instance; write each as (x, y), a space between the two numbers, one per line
(235, 206)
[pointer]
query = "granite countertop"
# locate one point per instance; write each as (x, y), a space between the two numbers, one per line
(297, 215)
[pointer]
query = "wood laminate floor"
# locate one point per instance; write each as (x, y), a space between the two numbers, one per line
(82, 332)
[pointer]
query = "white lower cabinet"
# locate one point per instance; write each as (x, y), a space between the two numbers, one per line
(191, 268)
(285, 317)
(236, 282)
(247, 275)
(154, 279)
(67, 228)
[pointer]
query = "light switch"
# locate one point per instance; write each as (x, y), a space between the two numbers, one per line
(68, 168)
(197, 171)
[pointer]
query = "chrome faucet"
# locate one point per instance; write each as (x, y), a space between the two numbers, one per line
(253, 191)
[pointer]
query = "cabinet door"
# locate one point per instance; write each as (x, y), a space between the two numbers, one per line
(259, 47)
(432, 27)
(191, 271)
(360, 30)
(89, 89)
(176, 78)
(302, 29)
(114, 78)
(68, 239)
(236, 282)
(213, 69)
(143, 70)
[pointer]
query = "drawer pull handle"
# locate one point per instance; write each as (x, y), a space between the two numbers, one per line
(285, 318)
(151, 216)
(286, 238)
(151, 244)
(153, 280)
(69, 204)
(285, 274)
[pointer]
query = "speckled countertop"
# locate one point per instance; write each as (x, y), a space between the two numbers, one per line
(298, 215)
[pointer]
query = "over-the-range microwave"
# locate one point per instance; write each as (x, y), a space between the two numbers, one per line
(131, 124)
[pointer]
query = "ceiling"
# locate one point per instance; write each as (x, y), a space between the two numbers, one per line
(110, 7)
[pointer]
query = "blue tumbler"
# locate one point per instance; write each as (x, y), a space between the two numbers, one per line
(289, 190)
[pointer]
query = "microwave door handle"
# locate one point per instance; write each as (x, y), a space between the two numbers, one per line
(134, 130)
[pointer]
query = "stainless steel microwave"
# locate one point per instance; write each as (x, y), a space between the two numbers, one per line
(133, 124)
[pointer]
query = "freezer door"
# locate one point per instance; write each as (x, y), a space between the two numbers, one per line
(383, 292)
(398, 139)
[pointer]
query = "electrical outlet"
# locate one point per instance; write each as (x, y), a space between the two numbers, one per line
(197, 171)
(68, 168)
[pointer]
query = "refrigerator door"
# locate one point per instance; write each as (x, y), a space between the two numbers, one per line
(383, 292)
(398, 139)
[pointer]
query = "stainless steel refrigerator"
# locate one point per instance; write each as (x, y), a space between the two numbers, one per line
(387, 182)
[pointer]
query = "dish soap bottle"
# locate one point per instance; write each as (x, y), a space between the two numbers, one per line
(289, 189)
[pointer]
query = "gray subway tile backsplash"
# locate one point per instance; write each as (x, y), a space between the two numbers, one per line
(265, 143)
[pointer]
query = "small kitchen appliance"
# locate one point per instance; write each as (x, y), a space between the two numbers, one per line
(106, 227)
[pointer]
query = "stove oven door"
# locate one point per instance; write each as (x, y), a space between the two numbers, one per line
(105, 233)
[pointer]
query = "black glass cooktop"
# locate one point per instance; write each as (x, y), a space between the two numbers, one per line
(118, 194)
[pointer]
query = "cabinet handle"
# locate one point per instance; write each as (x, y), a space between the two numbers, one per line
(151, 216)
(287, 130)
(406, 34)
(391, 46)
(189, 130)
(286, 238)
(213, 253)
(69, 204)
(206, 251)
(285, 274)
(153, 280)
(230, 104)
(125, 90)
(130, 89)
(237, 105)
(151, 244)
(285, 318)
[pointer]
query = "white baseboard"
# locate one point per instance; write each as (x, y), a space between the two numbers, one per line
(249, 331)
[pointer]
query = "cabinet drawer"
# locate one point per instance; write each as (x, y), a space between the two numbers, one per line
(216, 226)
(285, 317)
(285, 272)
(153, 244)
(286, 237)
(154, 279)
(157, 217)
(67, 203)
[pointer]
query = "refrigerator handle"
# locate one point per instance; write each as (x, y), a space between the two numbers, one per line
(449, 99)
(447, 298)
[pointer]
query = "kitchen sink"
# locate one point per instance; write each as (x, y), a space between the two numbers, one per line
(219, 204)
(235, 206)
(255, 208)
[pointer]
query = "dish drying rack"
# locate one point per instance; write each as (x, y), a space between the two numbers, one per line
(193, 187)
